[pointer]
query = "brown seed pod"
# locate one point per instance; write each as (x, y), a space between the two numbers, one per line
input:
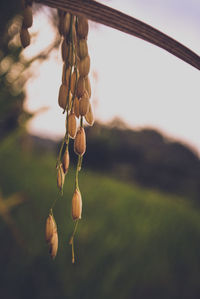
(62, 97)
(64, 50)
(66, 74)
(66, 24)
(80, 142)
(60, 177)
(84, 66)
(76, 107)
(71, 56)
(82, 27)
(76, 205)
(72, 125)
(73, 81)
(82, 48)
(49, 229)
(24, 37)
(88, 86)
(54, 245)
(80, 87)
(84, 103)
(89, 117)
(28, 17)
(65, 161)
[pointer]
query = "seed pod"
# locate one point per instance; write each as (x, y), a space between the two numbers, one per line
(76, 107)
(72, 125)
(66, 24)
(64, 50)
(28, 17)
(80, 142)
(76, 205)
(82, 48)
(82, 27)
(24, 37)
(71, 56)
(62, 97)
(65, 161)
(88, 86)
(54, 245)
(84, 103)
(89, 117)
(49, 229)
(80, 87)
(84, 66)
(73, 81)
(60, 177)
(66, 74)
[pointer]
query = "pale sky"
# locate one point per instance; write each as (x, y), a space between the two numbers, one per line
(137, 81)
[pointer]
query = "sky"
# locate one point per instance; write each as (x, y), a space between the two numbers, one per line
(131, 79)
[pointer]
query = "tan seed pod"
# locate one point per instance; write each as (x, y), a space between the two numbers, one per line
(66, 74)
(60, 177)
(82, 27)
(80, 142)
(84, 66)
(71, 56)
(28, 17)
(54, 245)
(25, 37)
(72, 125)
(84, 103)
(64, 50)
(82, 48)
(89, 117)
(76, 205)
(76, 107)
(62, 97)
(73, 81)
(65, 161)
(80, 87)
(66, 24)
(49, 229)
(88, 86)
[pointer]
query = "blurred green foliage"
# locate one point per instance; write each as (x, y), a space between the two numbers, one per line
(132, 242)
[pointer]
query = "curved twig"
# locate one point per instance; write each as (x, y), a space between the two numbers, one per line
(108, 16)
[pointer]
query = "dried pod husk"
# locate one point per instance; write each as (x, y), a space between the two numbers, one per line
(80, 87)
(65, 161)
(89, 117)
(82, 27)
(60, 177)
(71, 56)
(84, 66)
(82, 48)
(64, 50)
(88, 86)
(80, 142)
(76, 107)
(66, 24)
(62, 97)
(76, 205)
(54, 245)
(84, 103)
(25, 37)
(49, 228)
(66, 74)
(28, 17)
(72, 125)
(73, 81)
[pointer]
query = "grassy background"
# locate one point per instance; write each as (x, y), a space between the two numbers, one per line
(131, 242)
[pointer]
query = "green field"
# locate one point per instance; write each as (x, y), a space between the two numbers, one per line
(131, 242)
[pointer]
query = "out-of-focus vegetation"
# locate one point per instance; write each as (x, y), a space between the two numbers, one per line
(131, 243)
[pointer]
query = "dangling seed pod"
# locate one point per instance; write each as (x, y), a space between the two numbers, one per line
(65, 161)
(49, 229)
(80, 142)
(25, 37)
(72, 125)
(76, 107)
(60, 177)
(76, 205)
(82, 27)
(26, 23)
(53, 245)
(51, 235)
(84, 66)
(84, 105)
(89, 117)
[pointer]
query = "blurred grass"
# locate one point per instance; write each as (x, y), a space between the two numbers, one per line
(131, 242)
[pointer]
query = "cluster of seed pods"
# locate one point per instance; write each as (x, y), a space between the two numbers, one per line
(74, 98)
(26, 23)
